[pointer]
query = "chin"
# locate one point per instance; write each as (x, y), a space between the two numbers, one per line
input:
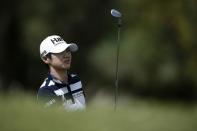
(66, 67)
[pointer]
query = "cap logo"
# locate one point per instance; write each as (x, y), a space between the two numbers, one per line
(57, 40)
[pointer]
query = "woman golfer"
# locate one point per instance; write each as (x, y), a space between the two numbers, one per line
(60, 87)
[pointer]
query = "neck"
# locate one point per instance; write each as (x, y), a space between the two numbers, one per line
(60, 75)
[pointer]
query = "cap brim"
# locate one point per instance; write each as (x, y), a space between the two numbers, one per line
(73, 47)
(60, 48)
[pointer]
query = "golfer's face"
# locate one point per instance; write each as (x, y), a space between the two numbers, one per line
(61, 60)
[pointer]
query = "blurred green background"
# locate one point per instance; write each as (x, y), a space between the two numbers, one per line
(158, 56)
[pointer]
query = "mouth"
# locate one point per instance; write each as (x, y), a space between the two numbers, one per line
(67, 61)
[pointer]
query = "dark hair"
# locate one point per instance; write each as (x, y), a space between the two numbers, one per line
(45, 57)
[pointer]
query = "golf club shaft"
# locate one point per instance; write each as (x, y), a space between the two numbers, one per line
(117, 66)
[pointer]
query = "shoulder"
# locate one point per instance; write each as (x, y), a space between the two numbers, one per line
(75, 83)
(47, 88)
(45, 92)
(47, 82)
(74, 78)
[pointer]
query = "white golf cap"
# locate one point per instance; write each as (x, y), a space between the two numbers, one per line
(55, 44)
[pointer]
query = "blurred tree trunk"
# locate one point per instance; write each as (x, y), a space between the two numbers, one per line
(11, 54)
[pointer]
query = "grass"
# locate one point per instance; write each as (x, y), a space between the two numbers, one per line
(22, 113)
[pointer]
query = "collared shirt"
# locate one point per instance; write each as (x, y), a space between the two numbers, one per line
(71, 95)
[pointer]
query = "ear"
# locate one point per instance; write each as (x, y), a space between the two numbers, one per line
(46, 60)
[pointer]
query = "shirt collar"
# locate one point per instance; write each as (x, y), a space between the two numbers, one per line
(51, 77)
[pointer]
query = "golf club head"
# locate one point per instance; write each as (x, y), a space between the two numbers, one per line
(116, 13)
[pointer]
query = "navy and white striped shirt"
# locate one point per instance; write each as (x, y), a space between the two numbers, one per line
(71, 95)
